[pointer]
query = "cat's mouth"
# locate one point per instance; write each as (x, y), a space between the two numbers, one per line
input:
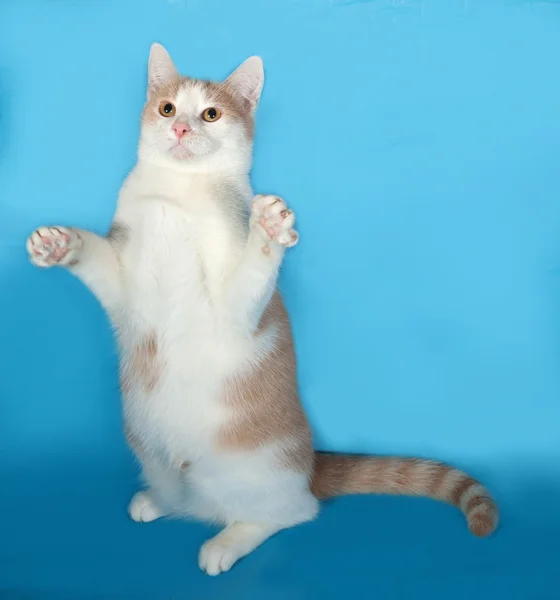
(179, 151)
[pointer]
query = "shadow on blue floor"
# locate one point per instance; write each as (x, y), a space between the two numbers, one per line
(71, 539)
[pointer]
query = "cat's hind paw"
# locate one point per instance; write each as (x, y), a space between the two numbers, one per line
(143, 509)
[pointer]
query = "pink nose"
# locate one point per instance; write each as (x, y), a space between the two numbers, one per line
(181, 129)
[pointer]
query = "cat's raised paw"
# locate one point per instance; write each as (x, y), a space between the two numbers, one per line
(274, 220)
(51, 246)
(143, 509)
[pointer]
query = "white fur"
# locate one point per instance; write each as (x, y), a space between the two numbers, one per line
(180, 283)
(235, 541)
(220, 147)
(192, 271)
(143, 509)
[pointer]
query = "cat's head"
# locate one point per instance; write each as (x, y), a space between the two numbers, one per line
(199, 125)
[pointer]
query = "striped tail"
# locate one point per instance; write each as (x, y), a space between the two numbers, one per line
(342, 474)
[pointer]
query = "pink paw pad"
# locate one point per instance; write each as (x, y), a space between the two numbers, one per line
(275, 221)
(49, 246)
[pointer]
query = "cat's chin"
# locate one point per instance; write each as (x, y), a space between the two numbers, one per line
(180, 152)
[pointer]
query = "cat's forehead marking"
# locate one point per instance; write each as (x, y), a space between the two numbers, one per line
(196, 95)
(192, 94)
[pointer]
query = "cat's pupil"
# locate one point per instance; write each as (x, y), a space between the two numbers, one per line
(168, 108)
(212, 114)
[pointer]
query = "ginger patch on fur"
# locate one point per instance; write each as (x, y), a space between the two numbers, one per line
(144, 365)
(264, 400)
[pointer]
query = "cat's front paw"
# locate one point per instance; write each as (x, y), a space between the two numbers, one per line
(51, 246)
(274, 220)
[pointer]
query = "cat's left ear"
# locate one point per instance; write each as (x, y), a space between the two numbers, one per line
(247, 81)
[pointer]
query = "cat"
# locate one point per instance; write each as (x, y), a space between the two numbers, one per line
(187, 275)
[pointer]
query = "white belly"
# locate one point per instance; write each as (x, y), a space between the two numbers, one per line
(174, 266)
(174, 270)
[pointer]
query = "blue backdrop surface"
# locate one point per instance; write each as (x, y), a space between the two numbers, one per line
(419, 143)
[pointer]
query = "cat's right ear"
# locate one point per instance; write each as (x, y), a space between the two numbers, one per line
(160, 68)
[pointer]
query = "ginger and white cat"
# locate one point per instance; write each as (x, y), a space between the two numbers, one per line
(188, 275)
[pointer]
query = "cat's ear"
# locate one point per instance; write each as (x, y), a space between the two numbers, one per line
(160, 68)
(247, 81)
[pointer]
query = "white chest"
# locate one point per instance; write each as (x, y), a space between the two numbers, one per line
(175, 263)
(176, 344)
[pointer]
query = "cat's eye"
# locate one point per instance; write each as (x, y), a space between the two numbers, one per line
(211, 114)
(166, 109)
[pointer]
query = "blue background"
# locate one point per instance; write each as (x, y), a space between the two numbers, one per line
(419, 143)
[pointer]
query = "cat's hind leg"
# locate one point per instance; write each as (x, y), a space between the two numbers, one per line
(164, 494)
(143, 508)
(284, 504)
(220, 553)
